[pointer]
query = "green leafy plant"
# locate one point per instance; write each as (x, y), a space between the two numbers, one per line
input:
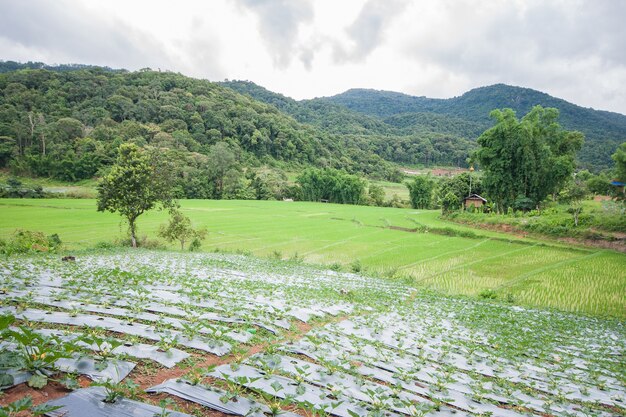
(26, 404)
(117, 390)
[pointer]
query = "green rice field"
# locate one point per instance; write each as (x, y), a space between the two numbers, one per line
(444, 257)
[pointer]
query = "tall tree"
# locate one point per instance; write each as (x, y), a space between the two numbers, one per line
(133, 187)
(421, 191)
(526, 160)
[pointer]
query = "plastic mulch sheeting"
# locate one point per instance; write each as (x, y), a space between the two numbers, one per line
(212, 398)
(138, 350)
(282, 387)
(218, 348)
(89, 402)
(115, 371)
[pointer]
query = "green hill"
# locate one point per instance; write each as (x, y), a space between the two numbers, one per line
(427, 139)
(603, 130)
(66, 123)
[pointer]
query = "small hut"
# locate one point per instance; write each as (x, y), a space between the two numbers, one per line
(473, 200)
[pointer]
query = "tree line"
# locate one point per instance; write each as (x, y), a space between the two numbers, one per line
(523, 163)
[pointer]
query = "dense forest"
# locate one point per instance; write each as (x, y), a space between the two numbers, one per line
(428, 139)
(468, 115)
(68, 123)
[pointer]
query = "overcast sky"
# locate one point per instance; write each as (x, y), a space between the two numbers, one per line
(571, 49)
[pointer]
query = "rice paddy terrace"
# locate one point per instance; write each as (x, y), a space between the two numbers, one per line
(415, 246)
(153, 333)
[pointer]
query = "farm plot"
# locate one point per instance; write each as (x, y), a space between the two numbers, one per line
(406, 244)
(252, 337)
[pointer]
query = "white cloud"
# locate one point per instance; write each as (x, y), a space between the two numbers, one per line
(572, 49)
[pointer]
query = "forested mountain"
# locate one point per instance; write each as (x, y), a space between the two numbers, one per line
(68, 124)
(603, 130)
(427, 139)
(67, 121)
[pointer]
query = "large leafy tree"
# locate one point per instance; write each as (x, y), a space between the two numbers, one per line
(526, 160)
(332, 185)
(421, 191)
(136, 183)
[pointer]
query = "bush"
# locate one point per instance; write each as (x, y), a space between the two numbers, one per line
(25, 241)
(488, 294)
(195, 245)
(335, 267)
(104, 245)
(142, 242)
(356, 266)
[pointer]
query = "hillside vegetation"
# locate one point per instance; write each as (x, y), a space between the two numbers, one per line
(603, 130)
(429, 139)
(68, 124)
(65, 122)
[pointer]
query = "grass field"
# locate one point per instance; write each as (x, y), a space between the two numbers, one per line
(525, 271)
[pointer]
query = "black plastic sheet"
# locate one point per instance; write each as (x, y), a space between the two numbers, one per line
(89, 402)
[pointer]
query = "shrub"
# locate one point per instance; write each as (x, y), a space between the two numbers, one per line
(142, 242)
(356, 266)
(488, 294)
(336, 267)
(104, 245)
(195, 245)
(24, 241)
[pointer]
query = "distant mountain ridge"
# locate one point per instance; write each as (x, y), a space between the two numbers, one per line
(397, 127)
(388, 115)
(603, 130)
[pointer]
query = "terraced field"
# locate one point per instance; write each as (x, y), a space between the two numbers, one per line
(414, 246)
(152, 333)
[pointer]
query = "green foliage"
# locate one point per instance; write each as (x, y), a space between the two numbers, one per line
(449, 203)
(68, 123)
(488, 294)
(425, 138)
(116, 390)
(469, 114)
(332, 186)
(376, 193)
(35, 353)
(179, 229)
(25, 404)
(620, 162)
(460, 185)
(525, 161)
(15, 189)
(270, 184)
(133, 186)
(574, 192)
(600, 185)
(421, 191)
(24, 241)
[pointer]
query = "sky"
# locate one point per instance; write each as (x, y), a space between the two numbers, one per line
(571, 49)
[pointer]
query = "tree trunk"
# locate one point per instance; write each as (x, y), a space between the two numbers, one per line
(132, 228)
(31, 122)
